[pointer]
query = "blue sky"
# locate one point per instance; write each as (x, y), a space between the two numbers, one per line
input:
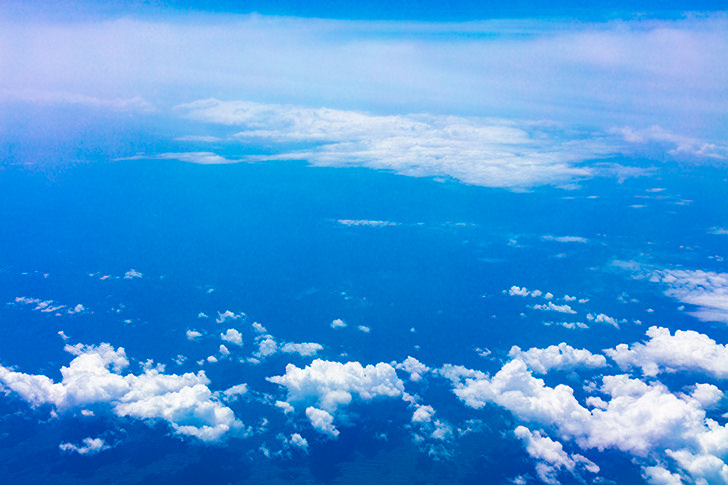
(407, 241)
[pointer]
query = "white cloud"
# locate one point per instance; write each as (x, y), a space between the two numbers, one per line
(94, 377)
(132, 274)
(565, 239)
(719, 231)
(267, 346)
(706, 290)
(685, 351)
(550, 456)
(414, 367)
(90, 446)
(550, 306)
(515, 290)
(364, 328)
(364, 222)
(561, 357)
(193, 334)
(330, 385)
(488, 152)
(284, 406)
(77, 309)
(322, 421)
(423, 414)
(224, 350)
(228, 315)
(643, 419)
(569, 325)
(235, 392)
(258, 328)
(232, 336)
(303, 349)
(202, 158)
(602, 318)
(298, 441)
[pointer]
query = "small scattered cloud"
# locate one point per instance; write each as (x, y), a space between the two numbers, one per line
(132, 273)
(565, 239)
(233, 336)
(90, 446)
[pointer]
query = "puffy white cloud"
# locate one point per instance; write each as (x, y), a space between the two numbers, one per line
(94, 377)
(557, 357)
(602, 318)
(235, 392)
(304, 349)
(267, 346)
(322, 421)
(284, 406)
(364, 328)
(132, 274)
(90, 446)
(550, 456)
(423, 414)
(232, 336)
(515, 290)
(663, 352)
(298, 441)
(414, 367)
(657, 475)
(329, 385)
(193, 334)
(224, 350)
(258, 328)
(550, 306)
(643, 419)
(228, 315)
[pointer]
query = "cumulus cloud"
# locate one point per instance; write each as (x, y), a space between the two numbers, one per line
(364, 328)
(298, 441)
(233, 336)
(338, 323)
(89, 446)
(94, 377)
(686, 350)
(132, 274)
(329, 385)
(304, 349)
(642, 419)
(550, 456)
(414, 367)
(228, 315)
(550, 306)
(602, 318)
(193, 334)
(423, 414)
(322, 421)
(557, 357)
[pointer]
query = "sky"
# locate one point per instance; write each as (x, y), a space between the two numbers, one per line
(407, 242)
